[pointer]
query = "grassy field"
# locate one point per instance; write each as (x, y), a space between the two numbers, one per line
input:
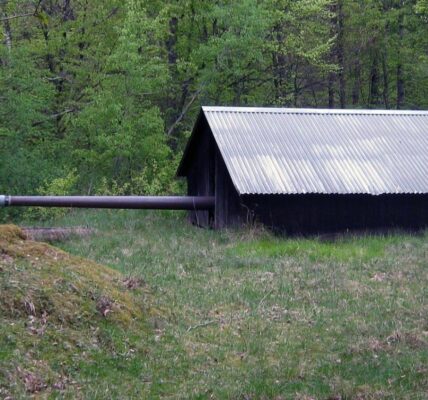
(245, 315)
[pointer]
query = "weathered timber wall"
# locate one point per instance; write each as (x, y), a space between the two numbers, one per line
(229, 211)
(316, 213)
(200, 178)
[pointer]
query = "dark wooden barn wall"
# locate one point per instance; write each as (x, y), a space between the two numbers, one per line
(229, 211)
(311, 213)
(200, 178)
(208, 176)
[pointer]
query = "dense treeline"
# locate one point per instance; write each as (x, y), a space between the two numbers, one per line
(99, 96)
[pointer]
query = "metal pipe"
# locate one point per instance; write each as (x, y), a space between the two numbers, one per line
(4, 200)
(124, 202)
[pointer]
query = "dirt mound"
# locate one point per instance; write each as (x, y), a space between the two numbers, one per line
(9, 233)
(67, 288)
(57, 310)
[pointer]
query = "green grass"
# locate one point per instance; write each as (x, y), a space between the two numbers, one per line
(245, 315)
(343, 249)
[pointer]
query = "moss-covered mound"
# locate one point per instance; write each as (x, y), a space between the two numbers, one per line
(61, 314)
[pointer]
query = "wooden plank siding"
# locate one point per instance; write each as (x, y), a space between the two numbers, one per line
(229, 211)
(200, 178)
(315, 213)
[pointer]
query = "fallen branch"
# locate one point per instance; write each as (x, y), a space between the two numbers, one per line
(56, 234)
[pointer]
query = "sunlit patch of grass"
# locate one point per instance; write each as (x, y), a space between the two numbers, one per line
(364, 248)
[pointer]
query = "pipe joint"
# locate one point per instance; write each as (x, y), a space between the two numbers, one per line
(4, 200)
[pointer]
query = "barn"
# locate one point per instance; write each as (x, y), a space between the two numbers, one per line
(309, 170)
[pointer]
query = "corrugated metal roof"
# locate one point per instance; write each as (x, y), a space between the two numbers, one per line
(296, 151)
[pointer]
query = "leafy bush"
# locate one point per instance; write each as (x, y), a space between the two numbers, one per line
(61, 186)
(153, 180)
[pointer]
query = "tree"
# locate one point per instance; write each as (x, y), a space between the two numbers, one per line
(111, 89)
(120, 133)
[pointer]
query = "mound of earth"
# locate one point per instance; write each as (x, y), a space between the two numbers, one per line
(60, 313)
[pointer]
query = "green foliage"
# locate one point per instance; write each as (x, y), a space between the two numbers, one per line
(27, 149)
(151, 181)
(422, 7)
(121, 132)
(112, 88)
(156, 180)
(61, 186)
(345, 249)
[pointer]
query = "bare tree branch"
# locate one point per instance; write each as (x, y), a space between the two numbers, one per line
(37, 7)
(17, 16)
(53, 116)
(32, 14)
(184, 112)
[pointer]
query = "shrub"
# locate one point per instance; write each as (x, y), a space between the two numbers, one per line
(61, 186)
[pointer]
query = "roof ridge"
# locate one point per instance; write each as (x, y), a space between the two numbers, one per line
(314, 111)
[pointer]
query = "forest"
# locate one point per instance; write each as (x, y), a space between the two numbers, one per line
(99, 97)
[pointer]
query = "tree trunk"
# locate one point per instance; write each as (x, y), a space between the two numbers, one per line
(6, 27)
(341, 54)
(385, 80)
(332, 76)
(296, 86)
(172, 41)
(400, 75)
(331, 82)
(357, 82)
(279, 61)
(374, 93)
(172, 100)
